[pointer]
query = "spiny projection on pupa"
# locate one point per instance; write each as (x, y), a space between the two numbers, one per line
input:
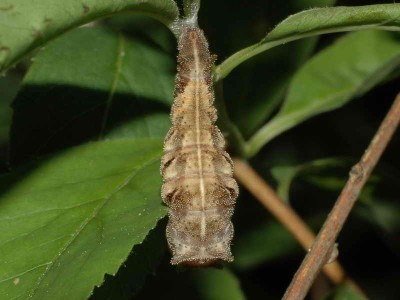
(198, 187)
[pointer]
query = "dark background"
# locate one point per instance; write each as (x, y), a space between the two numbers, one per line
(369, 252)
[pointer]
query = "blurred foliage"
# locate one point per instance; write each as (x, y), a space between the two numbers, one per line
(94, 97)
(336, 75)
(344, 292)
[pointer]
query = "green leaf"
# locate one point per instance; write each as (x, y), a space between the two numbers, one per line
(345, 292)
(144, 27)
(330, 175)
(266, 242)
(25, 25)
(142, 261)
(336, 75)
(8, 89)
(191, 283)
(87, 83)
(315, 22)
(153, 125)
(8, 86)
(383, 213)
(286, 174)
(259, 89)
(213, 284)
(76, 217)
(259, 82)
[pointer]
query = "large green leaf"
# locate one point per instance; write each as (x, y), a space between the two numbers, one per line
(263, 82)
(76, 217)
(154, 125)
(147, 28)
(341, 72)
(87, 83)
(25, 25)
(315, 22)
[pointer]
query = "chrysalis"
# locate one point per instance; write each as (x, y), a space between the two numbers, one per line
(198, 185)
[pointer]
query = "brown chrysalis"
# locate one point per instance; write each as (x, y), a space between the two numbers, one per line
(198, 185)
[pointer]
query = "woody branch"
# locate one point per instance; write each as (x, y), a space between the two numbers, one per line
(359, 174)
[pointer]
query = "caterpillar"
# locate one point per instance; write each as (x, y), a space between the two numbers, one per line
(198, 185)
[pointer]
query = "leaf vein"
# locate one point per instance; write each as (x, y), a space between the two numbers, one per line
(23, 273)
(115, 82)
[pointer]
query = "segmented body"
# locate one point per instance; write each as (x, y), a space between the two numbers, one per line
(198, 185)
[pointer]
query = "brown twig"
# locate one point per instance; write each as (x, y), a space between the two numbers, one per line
(257, 186)
(359, 174)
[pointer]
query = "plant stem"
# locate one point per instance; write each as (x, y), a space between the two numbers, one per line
(326, 238)
(257, 186)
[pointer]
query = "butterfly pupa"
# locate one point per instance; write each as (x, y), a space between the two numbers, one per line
(198, 187)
